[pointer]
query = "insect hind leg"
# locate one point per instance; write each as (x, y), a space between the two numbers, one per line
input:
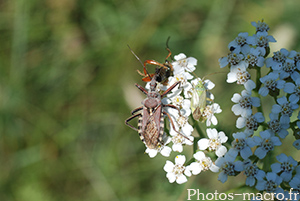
(130, 118)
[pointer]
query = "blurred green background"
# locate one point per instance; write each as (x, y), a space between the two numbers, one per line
(67, 85)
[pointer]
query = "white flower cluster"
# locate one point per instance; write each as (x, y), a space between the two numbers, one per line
(191, 96)
(257, 141)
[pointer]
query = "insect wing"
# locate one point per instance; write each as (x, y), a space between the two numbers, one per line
(151, 130)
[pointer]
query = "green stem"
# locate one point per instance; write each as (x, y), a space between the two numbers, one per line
(195, 144)
(258, 85)
(258, 75)
(197, 127)
(256, 94)
(293, 124)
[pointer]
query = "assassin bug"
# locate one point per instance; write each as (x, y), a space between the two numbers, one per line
(151, 117)
(162, 71)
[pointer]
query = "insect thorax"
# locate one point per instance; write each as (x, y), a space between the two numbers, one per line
(163, 73)
(152, 102)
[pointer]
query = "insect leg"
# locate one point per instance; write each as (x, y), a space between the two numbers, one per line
(172, 106)
(172, 123)
(145, 69)
(152, 62)
(130, 118)
(169, 53)
(141, 88)
(139, 72)
(167, 47)
(170, 88)
(136, 110)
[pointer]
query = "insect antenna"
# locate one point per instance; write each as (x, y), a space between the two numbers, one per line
(212, 74)
(139, 61)
(205, 75)
(167, 43)
(167, 48)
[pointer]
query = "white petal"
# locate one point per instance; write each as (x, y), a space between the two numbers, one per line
(212, 133)
(231, 77)
(246, 93)
(213, 120)
(236, 98)
(236, 109)
(151, 152)
(187, 171)
(188, 76)
(166, 151)
(180, 159)
(187, 129)
(223, 137)
(199, 155)
(203, 144)
(192, 61)
(177, 147)
(195, 168)
(240, 122)
(221, 151)
(179, 56)
(209, 84)
(181, 179)
(168, 166)
(171, 177)
(214, 168)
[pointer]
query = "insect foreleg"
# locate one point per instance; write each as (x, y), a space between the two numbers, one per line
(170, 88)
(173, 106)
(141, 88)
